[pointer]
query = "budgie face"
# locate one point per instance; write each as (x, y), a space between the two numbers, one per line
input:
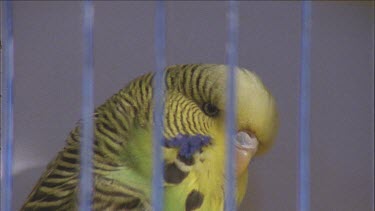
(195, 107)
(194, 143)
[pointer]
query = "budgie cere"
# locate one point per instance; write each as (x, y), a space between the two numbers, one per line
(194, 144)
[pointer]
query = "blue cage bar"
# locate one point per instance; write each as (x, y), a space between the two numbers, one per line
(231, 123)
(7, 97)
(303, 193)
(157, 171)
(87, 132)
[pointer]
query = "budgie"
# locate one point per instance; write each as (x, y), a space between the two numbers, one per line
(193, 144)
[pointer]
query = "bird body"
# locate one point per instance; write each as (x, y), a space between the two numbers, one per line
(194, 144)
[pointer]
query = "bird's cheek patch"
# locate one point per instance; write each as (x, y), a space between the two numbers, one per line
(173, 174)
(194, 200)
(187, 161)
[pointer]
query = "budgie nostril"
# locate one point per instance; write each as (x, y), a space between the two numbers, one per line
(246, 140)
(246, 147)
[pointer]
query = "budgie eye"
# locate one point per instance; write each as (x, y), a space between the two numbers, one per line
(210, 110)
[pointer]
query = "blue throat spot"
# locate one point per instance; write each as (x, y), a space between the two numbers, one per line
(188, 144)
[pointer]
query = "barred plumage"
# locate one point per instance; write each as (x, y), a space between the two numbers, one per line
(122, 145)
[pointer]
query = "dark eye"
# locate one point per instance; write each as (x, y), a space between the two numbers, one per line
(210, 110)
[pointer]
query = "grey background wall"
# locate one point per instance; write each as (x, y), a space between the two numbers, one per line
(48, 55)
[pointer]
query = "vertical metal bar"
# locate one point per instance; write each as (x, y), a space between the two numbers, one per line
(7, 130)
(86, 176)
(304, 116)
(231, 104)
(158, 84)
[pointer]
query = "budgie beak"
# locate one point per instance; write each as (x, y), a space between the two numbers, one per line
(246, 146)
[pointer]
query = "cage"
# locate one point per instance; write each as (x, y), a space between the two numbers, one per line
(48, 78)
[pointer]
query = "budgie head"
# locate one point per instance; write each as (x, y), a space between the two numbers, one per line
(203, 87)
